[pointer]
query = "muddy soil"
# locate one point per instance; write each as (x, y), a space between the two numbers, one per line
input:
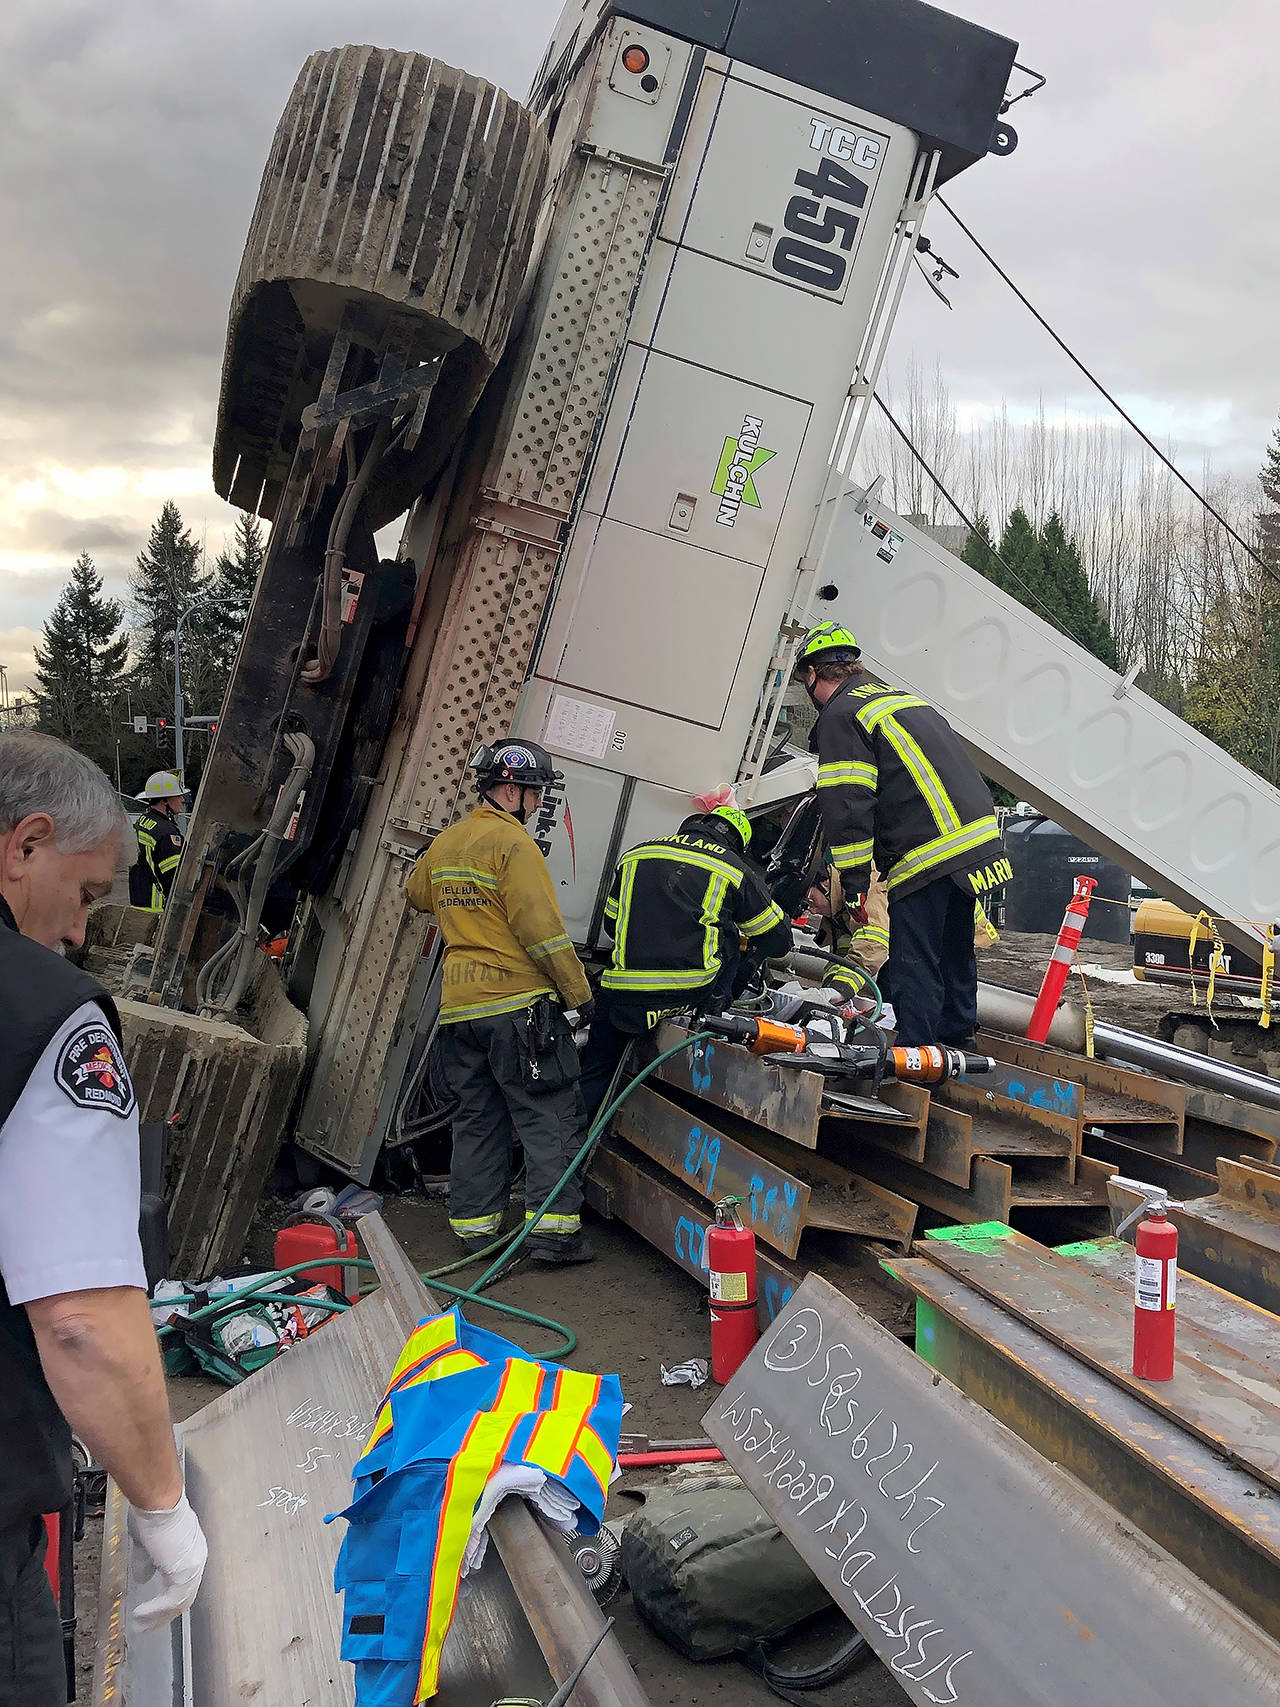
(1019, 960)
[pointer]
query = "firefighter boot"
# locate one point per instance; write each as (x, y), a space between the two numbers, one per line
(560, 1248)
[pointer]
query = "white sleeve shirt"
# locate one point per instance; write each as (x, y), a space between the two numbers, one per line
(69, 1169)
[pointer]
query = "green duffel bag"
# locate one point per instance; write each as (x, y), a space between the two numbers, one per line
(713, 1574)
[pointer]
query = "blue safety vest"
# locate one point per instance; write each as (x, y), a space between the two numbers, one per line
(460, 1403)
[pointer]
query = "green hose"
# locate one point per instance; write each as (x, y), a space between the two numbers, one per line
(507, 1246)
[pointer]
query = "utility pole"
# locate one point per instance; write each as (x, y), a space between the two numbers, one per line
(178, 754)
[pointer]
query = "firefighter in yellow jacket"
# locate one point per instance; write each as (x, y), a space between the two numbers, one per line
(505, 1049)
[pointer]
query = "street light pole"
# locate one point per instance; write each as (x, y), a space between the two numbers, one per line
(178, 754)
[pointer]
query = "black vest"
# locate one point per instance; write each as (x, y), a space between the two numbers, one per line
(38, 991)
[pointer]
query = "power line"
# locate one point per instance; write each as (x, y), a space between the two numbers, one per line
(1050, 616)
(1115, 404)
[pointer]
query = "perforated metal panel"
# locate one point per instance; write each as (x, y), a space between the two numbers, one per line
(507, 582)
(483, 649)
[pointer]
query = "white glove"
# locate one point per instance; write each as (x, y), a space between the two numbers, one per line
(174, 1545)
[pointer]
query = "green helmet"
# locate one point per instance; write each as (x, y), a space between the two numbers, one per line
(739, 820)
(829, 644)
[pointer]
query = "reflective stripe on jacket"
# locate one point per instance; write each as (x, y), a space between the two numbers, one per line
(866, 945)
(676, 908)
(492, 896)
(159, 855)
(895, 781)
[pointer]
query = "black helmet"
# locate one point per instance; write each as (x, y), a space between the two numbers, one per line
(523, 763)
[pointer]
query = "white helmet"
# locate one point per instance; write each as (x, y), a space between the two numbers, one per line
(162, 785)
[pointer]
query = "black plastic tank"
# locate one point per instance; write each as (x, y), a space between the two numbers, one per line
(1046, 861)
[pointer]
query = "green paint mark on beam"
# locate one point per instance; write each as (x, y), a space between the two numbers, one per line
(984, 1237)
(1083, 1249)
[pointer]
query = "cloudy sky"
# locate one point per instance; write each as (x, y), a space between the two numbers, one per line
(1139, 213)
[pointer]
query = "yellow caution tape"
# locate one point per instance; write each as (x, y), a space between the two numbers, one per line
(1268, 974)
(1201, 917)
(1088, 1015)
(1217, 958)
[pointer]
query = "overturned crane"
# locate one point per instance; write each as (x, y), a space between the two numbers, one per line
(602, 345)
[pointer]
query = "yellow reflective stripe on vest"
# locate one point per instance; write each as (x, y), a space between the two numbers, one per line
(871, 933)
(554, 1223)
(483, 1448)
(763, 920)
(170, 864)
(428, 1339)
(558, 1435)
(712, 906)
(684, 856)
(498, 1005)
(943, 848)
(623, 915)
(912, 755)
(436, 1367)
(850, 855)
(464, 874)
(847, 773)
(656, 980)
(552, 945)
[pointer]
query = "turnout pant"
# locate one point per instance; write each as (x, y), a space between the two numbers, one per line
(932, 970)
(33, 1670)
(484, 1063)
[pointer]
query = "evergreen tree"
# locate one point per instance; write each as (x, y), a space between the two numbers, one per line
(1021, 549)
(81, 665)
(1269, 515)
(169, 578)
(234, 578)
(978, 552)
(1065, 590)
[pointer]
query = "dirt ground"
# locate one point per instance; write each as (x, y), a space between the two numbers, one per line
(632, 1312)
(1019, 960)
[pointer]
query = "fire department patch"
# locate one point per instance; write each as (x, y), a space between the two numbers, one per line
(91, 1071)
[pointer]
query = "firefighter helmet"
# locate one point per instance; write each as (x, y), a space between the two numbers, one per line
(162, 785)
(523, 763)
(738, 820)
(829, 644)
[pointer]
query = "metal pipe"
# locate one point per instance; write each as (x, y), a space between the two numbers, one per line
(1185, 1065)
(1009, 1011)
(1002, 1009)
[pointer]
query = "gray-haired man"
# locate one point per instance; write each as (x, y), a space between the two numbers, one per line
(76, 1339)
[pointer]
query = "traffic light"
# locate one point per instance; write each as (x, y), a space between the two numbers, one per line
(161, 723)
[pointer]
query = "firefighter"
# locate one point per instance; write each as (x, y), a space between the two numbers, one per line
(677, 908)
(864, 941)
(159, 842)
(894, 779)
(76, 1338)
(504, 1049)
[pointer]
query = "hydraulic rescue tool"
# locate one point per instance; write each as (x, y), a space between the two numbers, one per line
(792, 1046)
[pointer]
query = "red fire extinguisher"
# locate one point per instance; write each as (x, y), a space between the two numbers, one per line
(731, 1259)
(1155, 1282)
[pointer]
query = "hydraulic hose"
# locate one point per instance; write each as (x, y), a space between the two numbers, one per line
(507, 1245)
(237, 952)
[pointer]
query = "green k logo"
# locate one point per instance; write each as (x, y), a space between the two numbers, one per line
(741, 459)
